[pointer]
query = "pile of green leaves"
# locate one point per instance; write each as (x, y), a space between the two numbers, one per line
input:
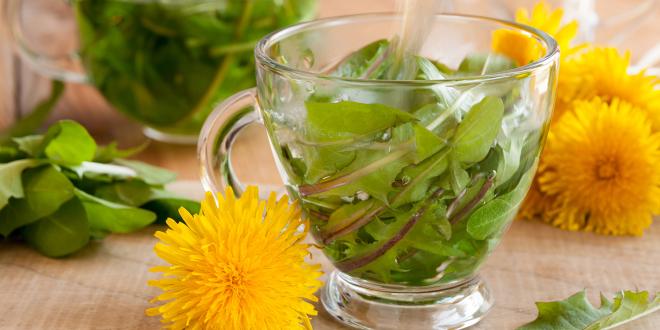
(59, 189)
(166, 63)
(576, 313)
(419, 193)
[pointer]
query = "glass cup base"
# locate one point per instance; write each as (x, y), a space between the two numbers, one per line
(161, 136)
(365, 305)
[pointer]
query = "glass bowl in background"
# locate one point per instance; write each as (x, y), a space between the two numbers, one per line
(163, 63)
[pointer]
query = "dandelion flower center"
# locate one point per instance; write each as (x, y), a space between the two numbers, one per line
(607, 171)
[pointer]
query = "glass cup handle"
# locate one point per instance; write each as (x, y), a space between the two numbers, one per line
(53, 67)
(217, 136)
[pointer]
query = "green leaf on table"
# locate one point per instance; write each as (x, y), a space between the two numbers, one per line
(9, 153)
(107, 153)
(577, 313)
(478, 64)
(30, 123)
(69, 143)
(150, 174)
(102, 172)
(30, 144)
(107, 217)
(11, 184)
(168, 208)
(138, 194)
(130, 192)
(45, 190)
(61, 233)
(528, 159)
(476, 133)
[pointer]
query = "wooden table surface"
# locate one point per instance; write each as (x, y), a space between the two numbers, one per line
(104, 285)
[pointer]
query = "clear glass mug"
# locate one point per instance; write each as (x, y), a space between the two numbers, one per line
(408, 185)
(163, 63)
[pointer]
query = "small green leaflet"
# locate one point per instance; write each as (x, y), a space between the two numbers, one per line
(477, 132)
(492, 217)
(45, 189)
(108, 217)
(418, 178)
(61, 233)
(148, 173)
(577, 313)
(168, 207)
(130, 192)
(30, 144)
(11, 184)
(458, 177)
(68, 143)
(137, 193)
(105, 154)
(348, 120)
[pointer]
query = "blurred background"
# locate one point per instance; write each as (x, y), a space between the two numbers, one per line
(51, 28)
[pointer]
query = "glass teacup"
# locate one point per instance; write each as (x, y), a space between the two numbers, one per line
(408, 185)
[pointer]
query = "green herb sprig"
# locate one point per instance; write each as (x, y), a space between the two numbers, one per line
(59, 189)
(577, 313)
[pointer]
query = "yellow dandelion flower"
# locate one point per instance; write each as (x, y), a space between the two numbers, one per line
(604, 72)
(602, 166)
(236, 265)
(522, 47)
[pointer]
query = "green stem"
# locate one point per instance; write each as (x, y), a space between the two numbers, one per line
(233, 48)
(355, 222)
(453, 219)
(350, 265)
(318, 188)
(362, 219)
